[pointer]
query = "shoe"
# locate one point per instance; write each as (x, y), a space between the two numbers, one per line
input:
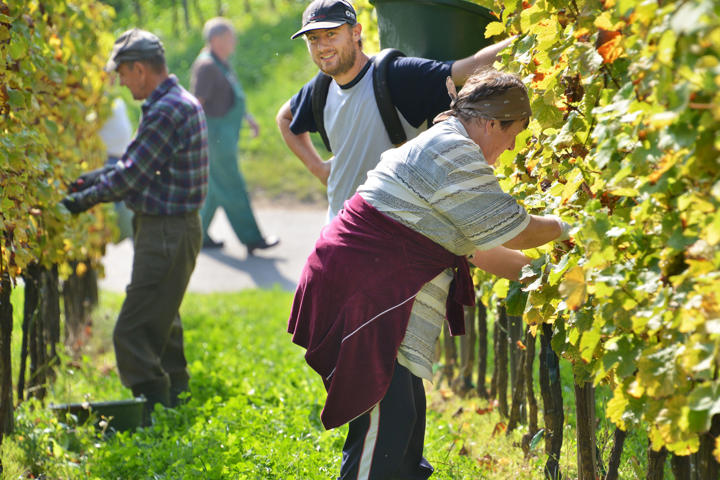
(210, 243)
(267, 242)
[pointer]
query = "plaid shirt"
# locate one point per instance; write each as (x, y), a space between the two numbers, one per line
(164, 170)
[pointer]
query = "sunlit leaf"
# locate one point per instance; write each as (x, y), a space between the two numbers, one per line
(574, 288)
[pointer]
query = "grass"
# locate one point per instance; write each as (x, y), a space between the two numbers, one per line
(254, 412)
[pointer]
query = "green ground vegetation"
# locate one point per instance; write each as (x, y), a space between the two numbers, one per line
(254, 411)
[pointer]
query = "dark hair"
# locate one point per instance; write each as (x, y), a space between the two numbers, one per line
(484, 84)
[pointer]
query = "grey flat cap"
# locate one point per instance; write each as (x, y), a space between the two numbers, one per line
(134, 45)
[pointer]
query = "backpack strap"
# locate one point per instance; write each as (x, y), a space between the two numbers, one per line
(319, 97)
(384, 102)
(385, 105)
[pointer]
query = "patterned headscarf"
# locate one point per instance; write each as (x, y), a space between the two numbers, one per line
(511, 104)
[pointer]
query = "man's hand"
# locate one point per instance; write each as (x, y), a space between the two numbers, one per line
(76, 203)
(323, 171)
(87, 180)
(253, 125)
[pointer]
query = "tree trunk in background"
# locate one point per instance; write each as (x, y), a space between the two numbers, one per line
(186, 13)
(80, 296)
(501, 359)
(248, 8)
(551, 391)
(219, 8)
(707, 466)
(585, 430)
(138, 12)
(482, 350)
(198, 12)
(528, 365)
(31, 278)
(615, 454)
(6, 324)
(175, 25)
(656, 464)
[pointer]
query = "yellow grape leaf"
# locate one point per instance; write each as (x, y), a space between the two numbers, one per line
(716, 452)
(603, 21)
(574, 288)
(616, 407)
(494, 28)
(713, 231)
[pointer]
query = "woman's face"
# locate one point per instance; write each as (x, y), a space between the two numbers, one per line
(493, 140)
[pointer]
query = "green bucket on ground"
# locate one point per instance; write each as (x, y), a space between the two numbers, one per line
(436, 29)
(120, 415)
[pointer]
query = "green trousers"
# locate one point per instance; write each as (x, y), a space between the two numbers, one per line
(148, 335)
(226, 189)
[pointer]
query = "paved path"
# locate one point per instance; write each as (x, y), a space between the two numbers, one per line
(230, 269)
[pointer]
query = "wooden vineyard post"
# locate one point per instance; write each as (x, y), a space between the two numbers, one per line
(551, 391)
(656, 463)
(707, 466)
(31, 277)
(585, 430)
(530, 390)
(482, 350)
(6, 324)
(615, 454)
(501, 360)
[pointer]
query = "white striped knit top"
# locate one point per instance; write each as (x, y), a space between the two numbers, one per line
(440, 185)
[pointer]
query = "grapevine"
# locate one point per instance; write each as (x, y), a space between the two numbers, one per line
(625, 145)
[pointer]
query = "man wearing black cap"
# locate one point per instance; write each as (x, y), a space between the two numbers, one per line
(352, 121)
(357, 136)
(162, 176)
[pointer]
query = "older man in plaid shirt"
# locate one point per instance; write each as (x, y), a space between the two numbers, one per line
(163, 178)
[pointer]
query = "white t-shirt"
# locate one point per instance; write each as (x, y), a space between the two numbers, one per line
(346, 110)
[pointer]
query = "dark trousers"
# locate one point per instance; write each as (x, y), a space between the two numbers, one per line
(386, 443)
(148, 335)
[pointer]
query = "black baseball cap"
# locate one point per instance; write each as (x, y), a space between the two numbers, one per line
(326, 14)
(134, 45)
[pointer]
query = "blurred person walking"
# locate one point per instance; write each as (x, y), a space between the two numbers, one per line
(217, 88)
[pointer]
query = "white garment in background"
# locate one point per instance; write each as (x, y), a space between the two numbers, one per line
(117, 131)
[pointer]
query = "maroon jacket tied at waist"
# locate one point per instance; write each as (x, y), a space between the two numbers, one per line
(353, 302)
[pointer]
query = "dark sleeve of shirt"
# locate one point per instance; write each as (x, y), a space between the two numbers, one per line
(142, 162)
(301, 108)
(417, 87)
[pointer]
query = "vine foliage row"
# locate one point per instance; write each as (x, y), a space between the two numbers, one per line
(51, 108)
(625, 145)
